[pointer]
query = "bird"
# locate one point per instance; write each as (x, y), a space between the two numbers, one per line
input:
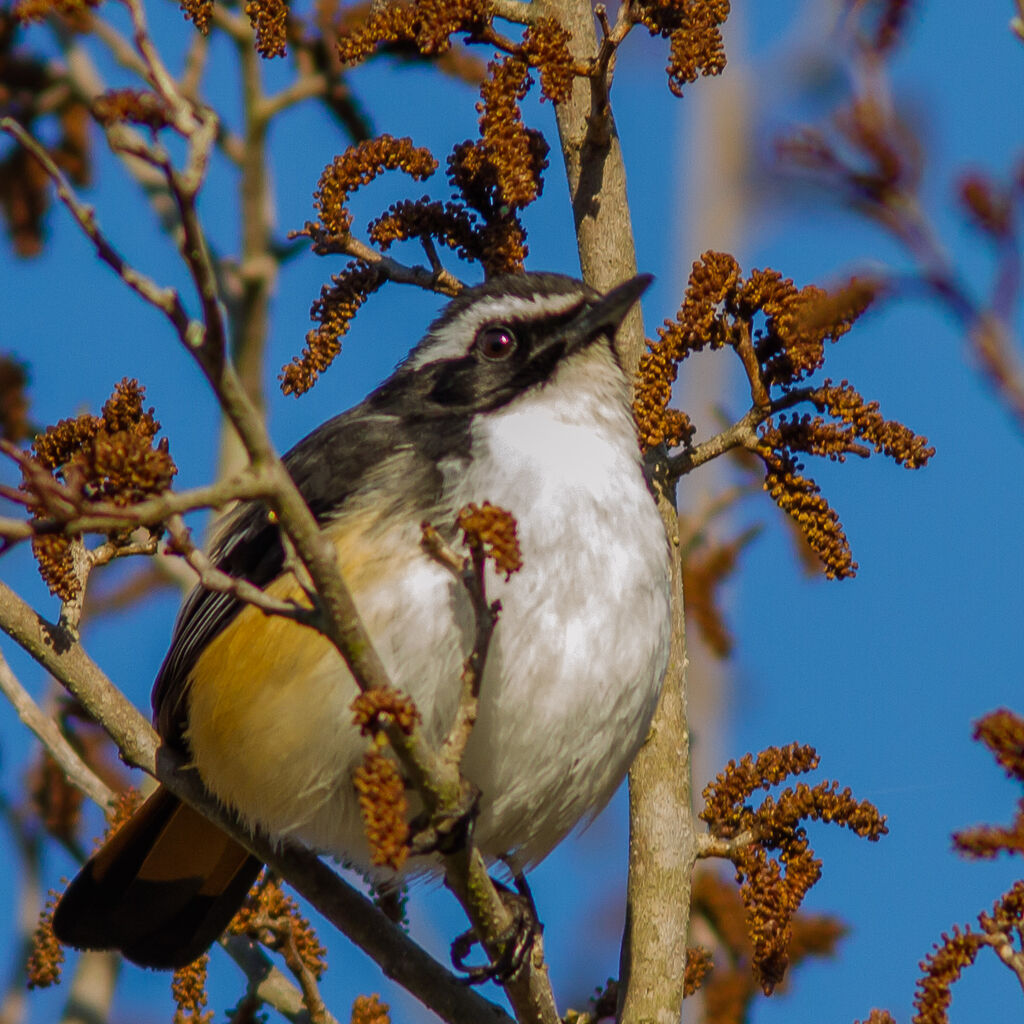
(517, 396)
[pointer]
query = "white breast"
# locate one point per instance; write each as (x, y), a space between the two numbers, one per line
(576, 665)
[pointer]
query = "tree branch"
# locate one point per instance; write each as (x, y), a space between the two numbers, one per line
(351, 912)
(164, 299)
(469, 572)
(70, 513)
(742, 434)
(661, 819)
(47, 732)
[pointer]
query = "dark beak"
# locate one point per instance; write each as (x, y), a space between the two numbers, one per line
(608, 312)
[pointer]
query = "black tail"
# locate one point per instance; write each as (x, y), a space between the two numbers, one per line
(161, 890)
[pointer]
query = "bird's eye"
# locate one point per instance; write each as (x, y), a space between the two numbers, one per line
(495, 342)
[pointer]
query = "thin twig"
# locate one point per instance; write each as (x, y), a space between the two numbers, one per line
(120, 48)
(164, 299)
(69, 512)
(325, 244)
(195, 64)
(742, 434)
(470, 574)
(1003, 947)
(267, 982)
(78, 773)
(105, 553)
(81, 567)
(234, 25)
(311, 996)
(184, 116)
(308, 86)
(212, 578)
(713, 846)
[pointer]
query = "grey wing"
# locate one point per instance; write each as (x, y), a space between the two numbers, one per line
(329, 466)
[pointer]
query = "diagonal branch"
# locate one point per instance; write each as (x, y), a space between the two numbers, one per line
(47, 732)
(346, 908)
(164, 299)
(67, 511)
(742, 434)
(469, 572)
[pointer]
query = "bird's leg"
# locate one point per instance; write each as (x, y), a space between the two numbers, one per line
(515, 944)
(447, 831)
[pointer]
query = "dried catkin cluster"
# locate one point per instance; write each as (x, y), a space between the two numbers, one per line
(46, 954)
(699, 965)
(493, 530)
(801, 499)
(427, 24)
(135, 106)
(31, 90)
(878, 1017)
(780, 334)
(40, 10)
(334, 309)
(888, 437)
(451, 224)
(732, 987)
(358, 166)
(499, 174)
(188, 989)
(374, 709)
(1003, 733)
(269, 20)
(54, 799)
(370, 1010)
(495, 176)
(546, 47)
(270, 916)
(777, 867)
(704, 570)
(14, 424)
(694, 31)
(383, 807)
(699, 324)
(126, 803)
(111, 458)
(199, 12)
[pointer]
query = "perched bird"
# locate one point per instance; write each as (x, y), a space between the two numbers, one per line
(515, 396)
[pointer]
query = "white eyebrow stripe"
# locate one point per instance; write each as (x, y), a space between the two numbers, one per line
(453, 339)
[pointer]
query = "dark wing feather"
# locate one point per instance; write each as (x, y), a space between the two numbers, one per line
(368, 446)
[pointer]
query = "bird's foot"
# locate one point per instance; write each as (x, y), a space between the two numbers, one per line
(514, 945)
(446, 832)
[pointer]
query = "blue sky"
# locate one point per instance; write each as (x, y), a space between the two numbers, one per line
(884, 674)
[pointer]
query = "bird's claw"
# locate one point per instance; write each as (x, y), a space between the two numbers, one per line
(514, 945)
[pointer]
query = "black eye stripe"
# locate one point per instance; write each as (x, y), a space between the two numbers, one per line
(526, 330)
